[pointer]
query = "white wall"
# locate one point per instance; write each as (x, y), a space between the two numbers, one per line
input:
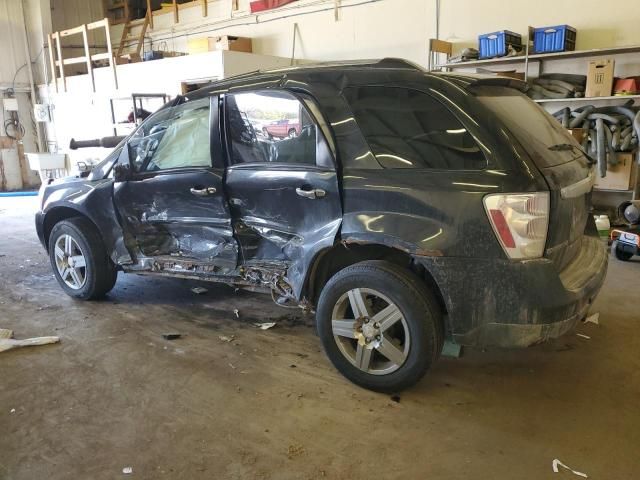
(378, 28)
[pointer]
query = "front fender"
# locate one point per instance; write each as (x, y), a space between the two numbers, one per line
(91, 199)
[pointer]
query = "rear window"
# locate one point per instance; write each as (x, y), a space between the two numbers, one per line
(409, 129)
(532, 126)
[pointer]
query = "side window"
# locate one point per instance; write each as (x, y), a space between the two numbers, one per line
(269, 126)
(410, 129)
(175, 138)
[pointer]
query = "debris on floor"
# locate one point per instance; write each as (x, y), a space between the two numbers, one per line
(450, 349)
(226, 338)
(171, 336)
(582, 335)
(295, 451)
(265, 326)
(395, 398)
(556, 462)
(7, 342)
(127, 470)
(199, 290)
(593, 318)
(236, 312)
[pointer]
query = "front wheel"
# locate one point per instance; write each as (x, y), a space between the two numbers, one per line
(619, 253)
(79, 260)
(379, 325)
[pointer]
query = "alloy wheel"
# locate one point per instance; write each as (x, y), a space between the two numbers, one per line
(370, 331)
(70, 262)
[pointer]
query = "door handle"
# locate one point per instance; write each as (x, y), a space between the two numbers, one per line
(203, 192)
(312, 194)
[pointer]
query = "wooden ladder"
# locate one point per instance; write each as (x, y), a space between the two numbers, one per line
(131, 44)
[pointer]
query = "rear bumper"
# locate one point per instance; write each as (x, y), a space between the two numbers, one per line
(517, 304)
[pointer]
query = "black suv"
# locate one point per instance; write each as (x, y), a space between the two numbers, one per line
(407, 208)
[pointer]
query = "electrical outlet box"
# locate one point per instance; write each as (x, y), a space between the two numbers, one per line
(41, 112)
(10, 104)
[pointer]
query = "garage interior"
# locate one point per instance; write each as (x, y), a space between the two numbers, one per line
(181, 378)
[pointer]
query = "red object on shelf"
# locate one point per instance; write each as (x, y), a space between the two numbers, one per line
(262, 5)
(627, 86)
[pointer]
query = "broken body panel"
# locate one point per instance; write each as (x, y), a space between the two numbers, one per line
(258, 232)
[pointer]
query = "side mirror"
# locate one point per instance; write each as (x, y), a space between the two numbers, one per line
(121, 172)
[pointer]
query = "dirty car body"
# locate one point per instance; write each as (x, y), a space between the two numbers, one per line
(390, 163)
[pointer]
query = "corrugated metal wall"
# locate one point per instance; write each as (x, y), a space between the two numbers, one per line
(12, 54)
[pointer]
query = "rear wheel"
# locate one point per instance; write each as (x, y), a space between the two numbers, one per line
(619, 253)
(379, 325)
(79, 259)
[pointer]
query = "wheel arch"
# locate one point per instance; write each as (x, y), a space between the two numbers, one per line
(56, 215)
(331, 260)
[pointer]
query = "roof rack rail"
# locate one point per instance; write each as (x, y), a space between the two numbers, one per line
(393, 62)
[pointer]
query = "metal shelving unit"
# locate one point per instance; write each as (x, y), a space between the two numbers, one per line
(587, 99)
(539, 57)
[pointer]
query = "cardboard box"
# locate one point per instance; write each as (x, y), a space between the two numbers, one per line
(600, 78)
(226, 42)
(577, 133)
(620, 176)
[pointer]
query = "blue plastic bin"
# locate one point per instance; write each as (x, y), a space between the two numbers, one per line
(496, 44)
(559, 38)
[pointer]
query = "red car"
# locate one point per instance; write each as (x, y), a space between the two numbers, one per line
(282, 129)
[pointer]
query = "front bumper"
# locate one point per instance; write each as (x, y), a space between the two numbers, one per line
(517, 304)
(40, 228)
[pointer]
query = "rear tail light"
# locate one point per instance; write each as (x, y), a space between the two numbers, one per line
(520, 222)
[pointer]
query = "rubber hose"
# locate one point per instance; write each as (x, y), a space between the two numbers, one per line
(580, 118)
(550, 85)
(626, 131)
(566, 85)
(603, 116)
(593, 143)
(601, 148)
(548, 93)
(615, 141)
(565, 118)
(560, 113)
(627, 112)
(625, 143)
(566, 77)
(612, 159)
(636, 124)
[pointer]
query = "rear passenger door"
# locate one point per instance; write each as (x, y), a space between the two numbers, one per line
(283, 192)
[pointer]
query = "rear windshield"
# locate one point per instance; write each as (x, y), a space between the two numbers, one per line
(532, 126)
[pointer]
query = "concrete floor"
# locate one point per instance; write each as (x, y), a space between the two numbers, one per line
(268, 405)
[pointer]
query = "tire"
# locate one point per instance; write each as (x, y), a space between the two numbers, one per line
(417, 333)
(99, 273)
(619, 253)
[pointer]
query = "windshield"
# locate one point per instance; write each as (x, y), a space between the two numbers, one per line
(538, 132)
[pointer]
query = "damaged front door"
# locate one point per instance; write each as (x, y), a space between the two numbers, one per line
(173, 205)
(283, 189)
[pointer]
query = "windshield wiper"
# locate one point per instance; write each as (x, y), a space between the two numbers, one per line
(561, 147)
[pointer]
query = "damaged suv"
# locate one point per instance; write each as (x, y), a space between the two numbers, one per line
(408, 208)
